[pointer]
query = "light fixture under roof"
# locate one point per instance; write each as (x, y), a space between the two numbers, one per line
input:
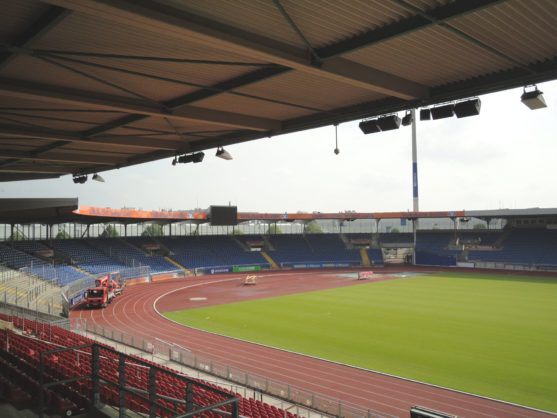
(222, 153)
(79, 179)
(196, 157)
(98, 178)
(407, 119)
(533, 98)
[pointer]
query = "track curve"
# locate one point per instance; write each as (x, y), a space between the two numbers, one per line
(134, 313)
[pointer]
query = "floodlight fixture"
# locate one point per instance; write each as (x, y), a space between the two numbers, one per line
(79, 179)
(191, 158)
(222, 153)
(369, 126)
(98, 178)
(388, 123)
(467, 108)
(533, 98)
(407, 119)
(442, 112)
(425, 114)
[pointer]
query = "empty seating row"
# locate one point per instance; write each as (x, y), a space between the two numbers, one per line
(23, 353)
(311, 248)
(61, 274)
(117, 249)
(86, 257)
(210, 251)
(523, 246)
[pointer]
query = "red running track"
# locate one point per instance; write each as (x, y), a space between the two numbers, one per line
(134, 313)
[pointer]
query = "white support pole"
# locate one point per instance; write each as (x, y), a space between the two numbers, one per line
(415, 195)
(416, 200)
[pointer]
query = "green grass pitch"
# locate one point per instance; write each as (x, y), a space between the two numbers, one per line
(491, 335)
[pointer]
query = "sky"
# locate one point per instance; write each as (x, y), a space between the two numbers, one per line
(504, 158)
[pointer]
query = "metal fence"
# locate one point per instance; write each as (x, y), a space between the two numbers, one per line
(182, 355)
(34, 315)
(514, 266)
(22, 289)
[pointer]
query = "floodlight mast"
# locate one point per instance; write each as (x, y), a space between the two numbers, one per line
(415, 195)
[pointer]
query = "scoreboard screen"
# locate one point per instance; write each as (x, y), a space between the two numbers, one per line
(223, 215)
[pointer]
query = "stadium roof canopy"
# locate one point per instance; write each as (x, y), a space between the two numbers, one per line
(35, 211)
(91, 85)
(53, 211)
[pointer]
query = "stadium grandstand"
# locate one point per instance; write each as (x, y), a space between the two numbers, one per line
(161, 247)
(61, 267)
(88, 86)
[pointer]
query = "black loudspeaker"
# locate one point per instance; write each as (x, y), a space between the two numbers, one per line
(441, 112)
(467, 108)
(388, 123)
(425, 114)
(369, 126)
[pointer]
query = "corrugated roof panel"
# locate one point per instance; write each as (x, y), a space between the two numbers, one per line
(534, 22)
(80, 33)
(93, 148)
(180, 75)
(303, 89)
(17, 16)
(59, 122)
(432, 57)
(426, 5)
(160, 124)
(54, 167)
(84, 33)
(324, 22)
(58, 117)
(228, 102)
(256, 16)
(143, 87)
(125, 131)
(35, 70)
(20, 144)
(49, 109)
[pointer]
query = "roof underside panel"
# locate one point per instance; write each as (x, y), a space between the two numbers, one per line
(174, 127)
(534, 20)
(36, 70)
(323, 22)
(257, 16)
(304, 90)
(413, 55)
(88, 33)
(62, 120)
(18, 14)
(252, 106)
(87, 85)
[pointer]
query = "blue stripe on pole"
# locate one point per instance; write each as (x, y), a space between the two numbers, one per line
(415, 178)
